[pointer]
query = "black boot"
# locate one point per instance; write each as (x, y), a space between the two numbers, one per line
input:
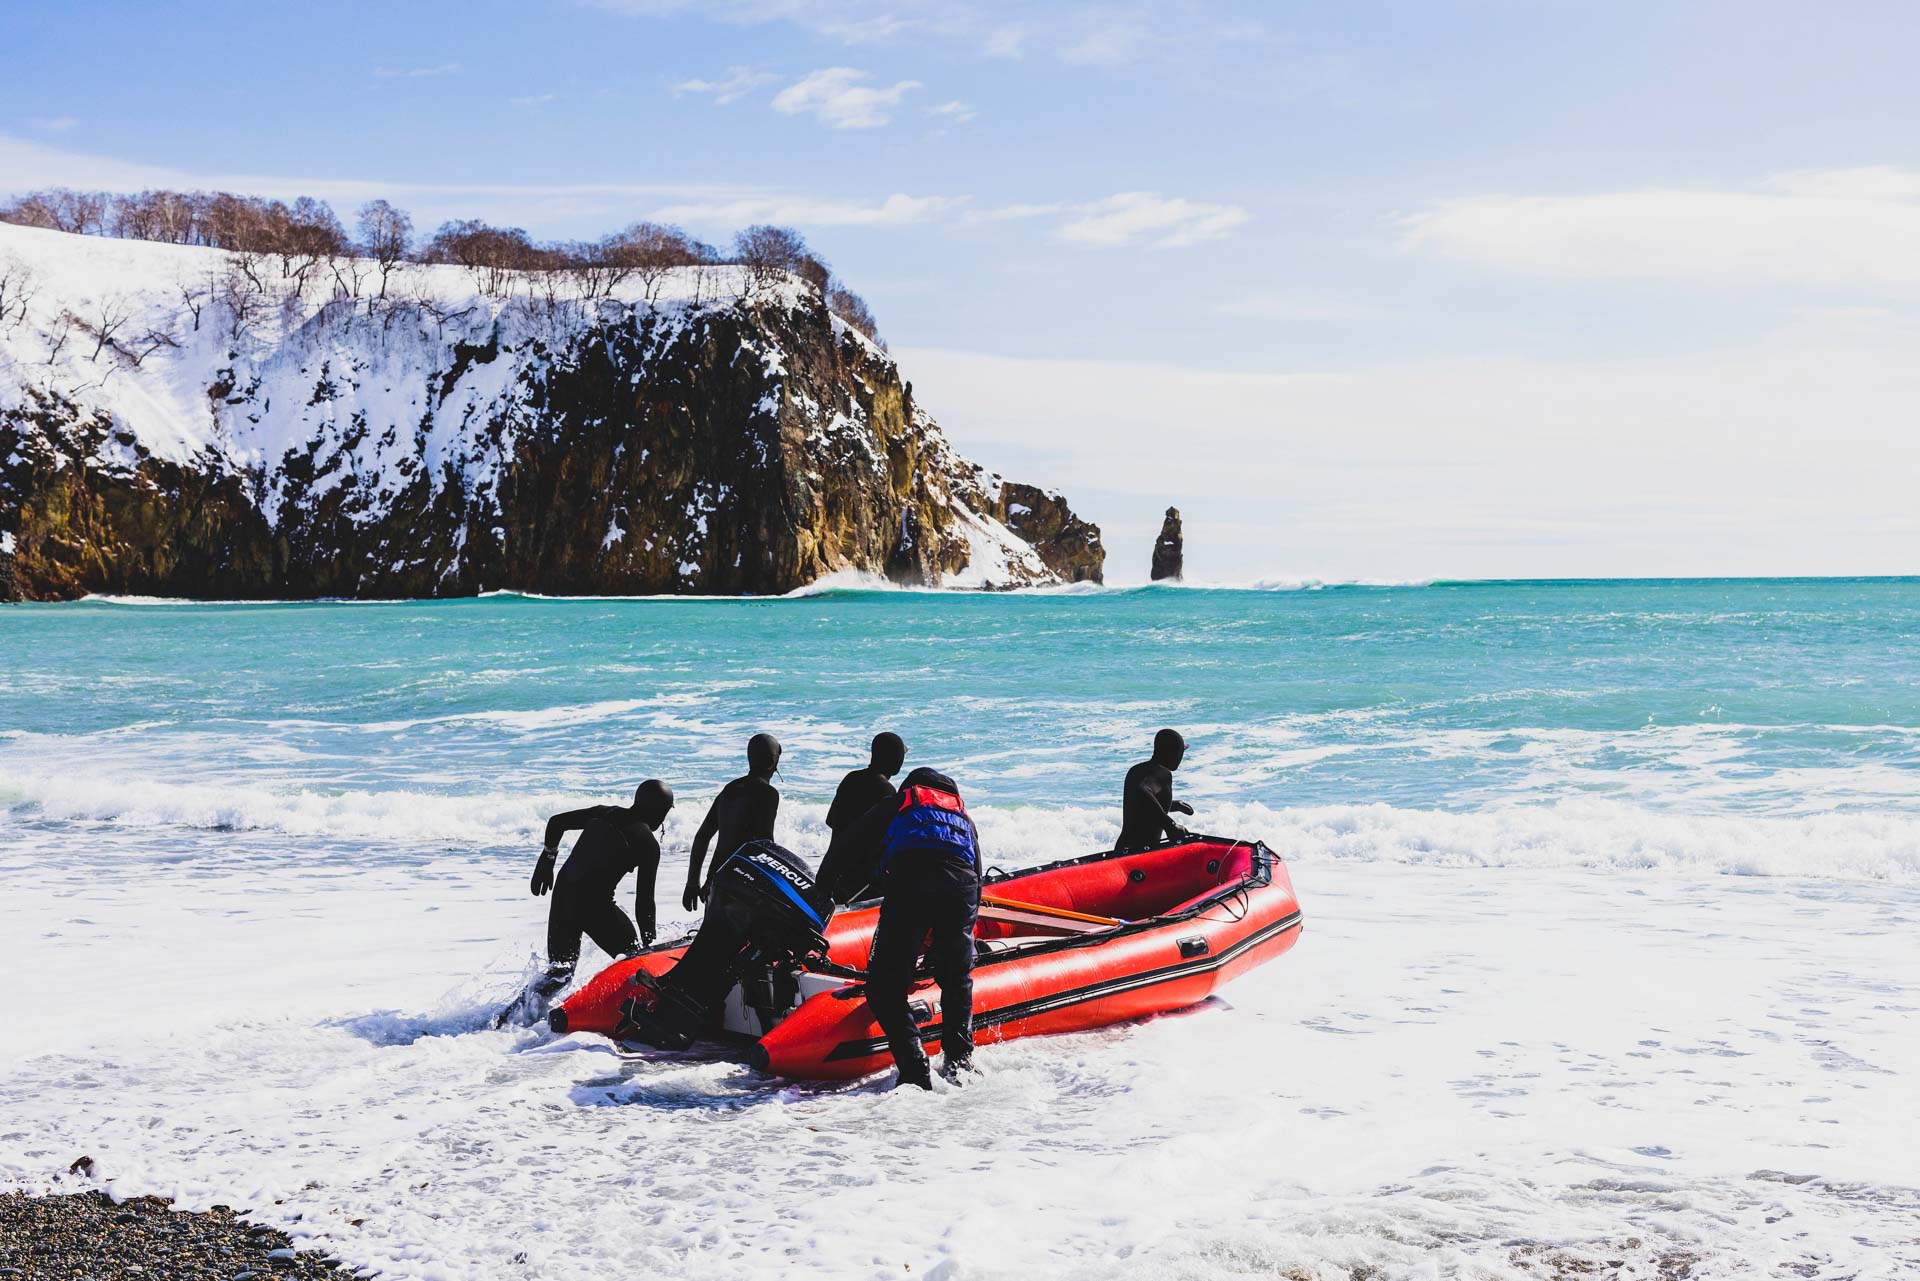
(531, 1005)
(914, 1071)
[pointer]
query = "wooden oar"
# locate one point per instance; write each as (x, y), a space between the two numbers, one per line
(1042, 916)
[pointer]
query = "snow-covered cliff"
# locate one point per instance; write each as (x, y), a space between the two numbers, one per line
(184, 421)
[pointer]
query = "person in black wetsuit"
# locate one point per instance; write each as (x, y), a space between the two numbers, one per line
(1147, 806)
(931, 873)
(744, 811)
(848, 870)
(613, 841)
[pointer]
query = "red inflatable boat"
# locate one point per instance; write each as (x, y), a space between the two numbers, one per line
(1074, 945)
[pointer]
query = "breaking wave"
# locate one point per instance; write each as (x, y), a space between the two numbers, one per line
(1577, 834)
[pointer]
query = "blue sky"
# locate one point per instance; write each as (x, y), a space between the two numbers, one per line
(1385, 290)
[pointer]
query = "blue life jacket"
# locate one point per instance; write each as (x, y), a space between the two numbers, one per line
(934, 822)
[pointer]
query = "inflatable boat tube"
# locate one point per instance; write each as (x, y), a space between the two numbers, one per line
(1073, 945)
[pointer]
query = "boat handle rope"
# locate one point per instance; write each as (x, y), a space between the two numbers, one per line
(1239, 896)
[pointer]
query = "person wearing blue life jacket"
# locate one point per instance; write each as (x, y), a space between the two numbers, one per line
(930, 881)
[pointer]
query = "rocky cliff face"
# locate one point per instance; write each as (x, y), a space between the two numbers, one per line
(1169, 550)
(223, 440)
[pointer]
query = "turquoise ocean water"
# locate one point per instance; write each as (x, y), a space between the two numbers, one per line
(1716, 697)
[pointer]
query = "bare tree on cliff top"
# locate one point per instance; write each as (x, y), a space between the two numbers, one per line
(771, 252)
(852, 308)
(137, 218)
(306, 236)
(172, 217)
(491, 254)
(386, 232)
(234, 222)
(651, 251)
(282, 246)
(61, 209)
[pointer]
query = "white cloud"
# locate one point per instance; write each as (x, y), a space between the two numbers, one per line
(1005, 42)
(1113, 42)
(1789, 457)
(417, 73)
(957, 111)
(25, 165)
(55, 124)
(807, 211)
(837, 97)
(1868, 182)
(1100, 34)
(1131, 218)
(1289, 308)
(848, 21)
(533, 99)
(1845, 228)
(740, 82)
(1017, 212)
(1149, 218)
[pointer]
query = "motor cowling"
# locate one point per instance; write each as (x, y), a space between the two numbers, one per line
(762, 919)
(769, 889)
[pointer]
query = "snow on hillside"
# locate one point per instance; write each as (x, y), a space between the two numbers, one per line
(997, 556)
(229, 361)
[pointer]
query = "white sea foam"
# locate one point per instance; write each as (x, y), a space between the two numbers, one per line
(99, 598)
(1503, 1073)
(1592, 834)
(132, 804)
(847, 580)
(536, 718)
(843, 582)
(1275, 583)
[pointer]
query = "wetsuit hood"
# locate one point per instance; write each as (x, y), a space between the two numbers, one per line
(651, 801)
(889, 753)
(763, 755)
(1169, 749)
(924, 777)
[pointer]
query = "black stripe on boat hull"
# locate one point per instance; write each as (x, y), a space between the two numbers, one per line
(861, 1049)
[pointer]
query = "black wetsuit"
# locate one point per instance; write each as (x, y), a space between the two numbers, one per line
(613, 842)
(1146, 808)
(932, 889)
(849, 868)
(744, 811)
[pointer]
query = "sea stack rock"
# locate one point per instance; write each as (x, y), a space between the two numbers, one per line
(1169, 554)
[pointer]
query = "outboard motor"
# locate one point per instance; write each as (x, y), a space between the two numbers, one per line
(762, 919)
